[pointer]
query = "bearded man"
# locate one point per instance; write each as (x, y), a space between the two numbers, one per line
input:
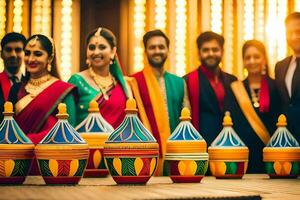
(208, 86)
(163, 94)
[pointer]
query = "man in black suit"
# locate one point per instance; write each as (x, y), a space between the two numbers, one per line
(209, 89)
(12, 53)
(287, 76)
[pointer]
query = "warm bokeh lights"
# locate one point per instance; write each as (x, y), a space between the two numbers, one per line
(161, 14)
(275, 31)
(248, 19)
(216, 16)
(17, 27)
(2, 25)
(66, 39)
(236, 20)
(228, 34)
(139, 30)
(180, 37)
(42, 17)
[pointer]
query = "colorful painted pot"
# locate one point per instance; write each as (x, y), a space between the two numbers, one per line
(16, 150)
(282, 153)
(186, 152)
(62, 155)
(131, 152)
(95, 131)
(228, 155)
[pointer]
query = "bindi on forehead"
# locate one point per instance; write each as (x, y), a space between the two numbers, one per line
(98, 40)
(36, 47)
(33, 41)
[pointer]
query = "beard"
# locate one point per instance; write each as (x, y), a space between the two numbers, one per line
(157, 64)
(12, 65)
(211, 63)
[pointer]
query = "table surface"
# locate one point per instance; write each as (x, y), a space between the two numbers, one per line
(157, 188)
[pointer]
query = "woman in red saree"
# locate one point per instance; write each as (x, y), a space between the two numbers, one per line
(104, 81)
(42, 91)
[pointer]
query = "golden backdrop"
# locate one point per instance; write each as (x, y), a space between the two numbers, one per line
(182, 20)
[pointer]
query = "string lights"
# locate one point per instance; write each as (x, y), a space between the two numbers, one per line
(259, 19)
(260, 23)
(37, 17)
(297, 5)
(271, 29)
(228, 34)
(160, 14)
(42, 17)
(66, 39)
(180, 37)
(2, 25)
(139, 29)
(17, 19)
(275, 30)
(2, 18)
(281, 37)
(248, 19)
(216, 16)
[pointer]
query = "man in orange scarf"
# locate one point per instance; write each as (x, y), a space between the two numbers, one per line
(163, 94)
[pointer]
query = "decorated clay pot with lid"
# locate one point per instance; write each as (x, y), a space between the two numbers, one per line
(62, 154)
(131, 152)
(16, 150)
(228, 155)
(186, 153)
(95, 131)
(282, 153)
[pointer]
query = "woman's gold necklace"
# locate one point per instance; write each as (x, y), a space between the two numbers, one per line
(254, 97)
(103, 83)
(35, 86)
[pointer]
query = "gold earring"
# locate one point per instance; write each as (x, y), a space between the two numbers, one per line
(111, 60)
(245, 72)
(49, 68)
(88, 62)
(264, 70)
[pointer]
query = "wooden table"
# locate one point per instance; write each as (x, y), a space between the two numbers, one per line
(158, 188)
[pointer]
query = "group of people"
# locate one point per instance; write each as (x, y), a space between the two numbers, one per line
(254, 103)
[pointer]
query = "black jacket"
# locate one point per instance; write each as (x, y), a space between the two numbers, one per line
(210, 115)
(248, 135)
(290, 106)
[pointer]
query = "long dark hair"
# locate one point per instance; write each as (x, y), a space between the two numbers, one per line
(47, 44)
(260, 47)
